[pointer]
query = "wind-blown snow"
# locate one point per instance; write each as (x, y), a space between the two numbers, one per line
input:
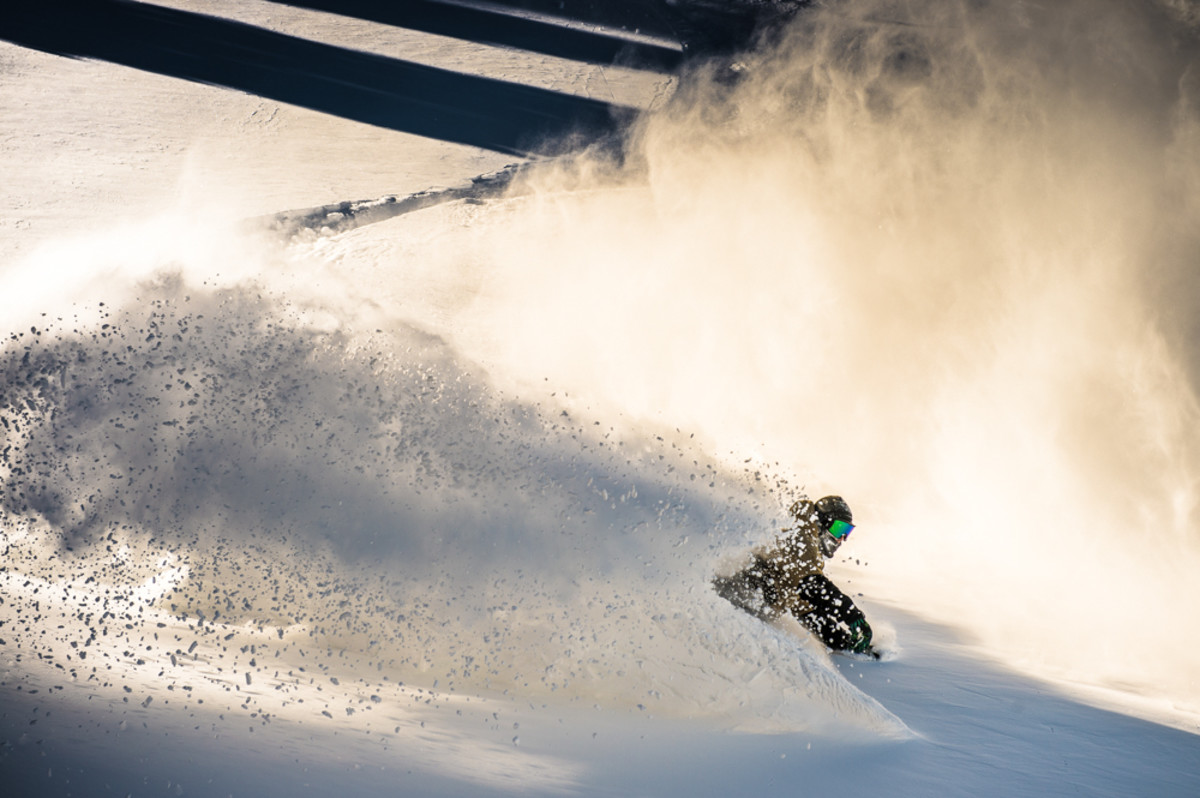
(442, 494)
(952, 263)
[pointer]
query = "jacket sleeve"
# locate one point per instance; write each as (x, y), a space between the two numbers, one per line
(795, 556)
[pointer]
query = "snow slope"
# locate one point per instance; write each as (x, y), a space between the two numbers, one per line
(428, 503)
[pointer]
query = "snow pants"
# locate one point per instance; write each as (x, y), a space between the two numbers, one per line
(833, 617)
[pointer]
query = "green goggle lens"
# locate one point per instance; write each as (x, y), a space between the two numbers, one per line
(840, 529)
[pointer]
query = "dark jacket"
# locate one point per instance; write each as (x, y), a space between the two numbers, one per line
(781, 567)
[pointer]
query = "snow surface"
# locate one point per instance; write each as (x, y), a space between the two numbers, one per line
(427, 503)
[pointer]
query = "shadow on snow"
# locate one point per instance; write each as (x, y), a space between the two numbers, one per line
(385, 92)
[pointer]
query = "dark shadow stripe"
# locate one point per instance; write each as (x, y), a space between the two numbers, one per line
(386, 92)
(489, 27)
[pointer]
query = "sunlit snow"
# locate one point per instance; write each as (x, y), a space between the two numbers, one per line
(329, 468)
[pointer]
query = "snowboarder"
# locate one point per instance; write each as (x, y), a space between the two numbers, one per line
(789, 577)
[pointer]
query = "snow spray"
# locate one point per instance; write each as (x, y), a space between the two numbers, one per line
(274, 450)
(938, 258)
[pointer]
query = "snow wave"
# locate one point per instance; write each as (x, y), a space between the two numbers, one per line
(367, 494)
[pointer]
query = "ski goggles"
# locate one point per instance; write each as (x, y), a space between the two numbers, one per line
(840, 530)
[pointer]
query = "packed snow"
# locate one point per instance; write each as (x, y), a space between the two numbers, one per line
(339, 459)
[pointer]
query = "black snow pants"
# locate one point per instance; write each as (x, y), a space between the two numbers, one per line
(833, 618)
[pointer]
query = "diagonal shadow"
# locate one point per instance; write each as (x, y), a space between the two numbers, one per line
(702, 28)
(652, 17)
(386, 92)
(493, 26)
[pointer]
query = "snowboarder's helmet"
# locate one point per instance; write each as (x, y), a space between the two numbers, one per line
(836, 522)
(833, 508)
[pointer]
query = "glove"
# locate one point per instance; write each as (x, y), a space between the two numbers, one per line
(860, 637)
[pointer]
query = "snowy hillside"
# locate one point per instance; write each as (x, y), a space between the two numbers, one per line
(330, 467)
